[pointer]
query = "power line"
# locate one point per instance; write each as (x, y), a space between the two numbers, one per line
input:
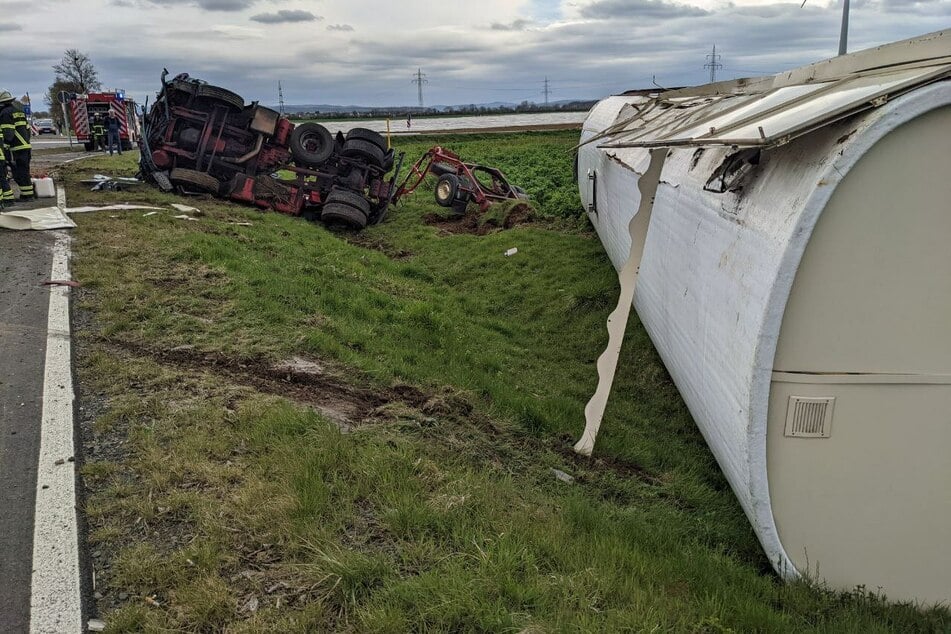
(280, 95)
(547, 91)
(419, 80)
(714, 64)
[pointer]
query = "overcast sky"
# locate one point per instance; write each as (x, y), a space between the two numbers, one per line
(365, 52)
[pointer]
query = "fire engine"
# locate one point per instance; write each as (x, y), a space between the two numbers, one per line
(83, 109)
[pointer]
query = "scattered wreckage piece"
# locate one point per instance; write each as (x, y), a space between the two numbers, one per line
(459, 182)
(101, 182)
(200, 138)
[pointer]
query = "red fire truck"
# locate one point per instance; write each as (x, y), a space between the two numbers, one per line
(83, 110)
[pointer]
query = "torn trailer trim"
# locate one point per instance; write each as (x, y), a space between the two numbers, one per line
(201, 138)
(793, 283)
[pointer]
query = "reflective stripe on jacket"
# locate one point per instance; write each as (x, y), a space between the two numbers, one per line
(15, 128)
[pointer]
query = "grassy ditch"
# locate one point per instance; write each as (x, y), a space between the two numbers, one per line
(288, 429)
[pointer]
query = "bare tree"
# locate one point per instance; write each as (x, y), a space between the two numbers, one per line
(77, 69)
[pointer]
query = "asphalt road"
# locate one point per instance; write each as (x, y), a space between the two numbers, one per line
(25, 260)
(50, 141)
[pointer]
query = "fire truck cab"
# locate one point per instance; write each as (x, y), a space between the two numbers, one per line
(83, 110)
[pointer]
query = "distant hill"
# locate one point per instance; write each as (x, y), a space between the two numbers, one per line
(494, 105)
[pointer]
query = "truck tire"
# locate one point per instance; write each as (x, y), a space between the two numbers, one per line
(220, 95)
(366, 150)
(311, 144)
(89, 146)
(352, 199)
(447, 189)
(365, 134)
(339, 213)
(200, 181)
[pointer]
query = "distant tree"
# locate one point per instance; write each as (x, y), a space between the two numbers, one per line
(75, 73)
(76, 68)
(52, 97)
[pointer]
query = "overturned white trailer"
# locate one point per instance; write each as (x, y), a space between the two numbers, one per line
(795, 277)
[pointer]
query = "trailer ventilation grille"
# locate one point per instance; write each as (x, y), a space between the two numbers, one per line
(809, 416)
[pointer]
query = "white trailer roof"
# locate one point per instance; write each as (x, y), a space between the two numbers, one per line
(767, 112)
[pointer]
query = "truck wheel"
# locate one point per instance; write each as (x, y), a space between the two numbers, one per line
(339, 213)
(89, 146)
(347, 197)
(364, 134)
(369, 152)
(220, 95)
(192, 179)
(311, 144)
(447, 188)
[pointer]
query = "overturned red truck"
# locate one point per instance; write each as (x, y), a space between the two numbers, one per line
(200, 138)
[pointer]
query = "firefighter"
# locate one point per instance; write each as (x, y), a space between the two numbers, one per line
(6, 193)
(16, 141)
(98, 133)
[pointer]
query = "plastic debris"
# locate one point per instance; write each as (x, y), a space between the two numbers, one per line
(70, 283)
(561, 475)
(184, 217)
(116, 207)
(96, 625)
(511, 252)
(35, 219)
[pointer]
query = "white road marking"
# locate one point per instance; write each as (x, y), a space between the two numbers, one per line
(55, 603)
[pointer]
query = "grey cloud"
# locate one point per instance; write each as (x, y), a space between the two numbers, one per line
(286, 15)
(225, 5)
(515, 25)
(207, 5)
(339, 27)
(614, 9)
(10, 27)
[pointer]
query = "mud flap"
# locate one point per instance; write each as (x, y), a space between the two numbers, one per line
(617, 320)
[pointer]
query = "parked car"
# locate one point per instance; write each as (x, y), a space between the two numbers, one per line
(45, 126)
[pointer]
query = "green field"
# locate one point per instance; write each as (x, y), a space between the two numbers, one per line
(398, 475)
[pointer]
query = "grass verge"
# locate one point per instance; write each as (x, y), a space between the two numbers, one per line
(294, 430)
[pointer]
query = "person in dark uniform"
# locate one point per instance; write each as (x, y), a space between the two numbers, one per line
(112, 130)
(6, 193)
(98, 133)
(16, 140)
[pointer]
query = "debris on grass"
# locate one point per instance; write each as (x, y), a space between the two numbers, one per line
(116, 207)
(188, 209)
(561, 475)
(511, 252)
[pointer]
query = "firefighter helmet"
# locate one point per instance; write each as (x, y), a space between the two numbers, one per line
(5, 96)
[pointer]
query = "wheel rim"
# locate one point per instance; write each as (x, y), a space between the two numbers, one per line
(311, 142)
(444, 190)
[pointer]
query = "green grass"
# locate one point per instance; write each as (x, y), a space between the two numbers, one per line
(422, 518)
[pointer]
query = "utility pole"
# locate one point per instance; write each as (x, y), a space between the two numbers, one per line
(844, 33)
(714, 64)
(547, 91)
(280, 95)
(419, 80)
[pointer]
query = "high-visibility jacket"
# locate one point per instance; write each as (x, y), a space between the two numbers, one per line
(15, 127)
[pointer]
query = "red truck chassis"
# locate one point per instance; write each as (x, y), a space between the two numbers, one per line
(202, 138)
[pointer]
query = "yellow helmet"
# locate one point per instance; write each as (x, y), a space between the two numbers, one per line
(5, 96)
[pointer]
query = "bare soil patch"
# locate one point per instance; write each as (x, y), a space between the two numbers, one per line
(501, 216)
